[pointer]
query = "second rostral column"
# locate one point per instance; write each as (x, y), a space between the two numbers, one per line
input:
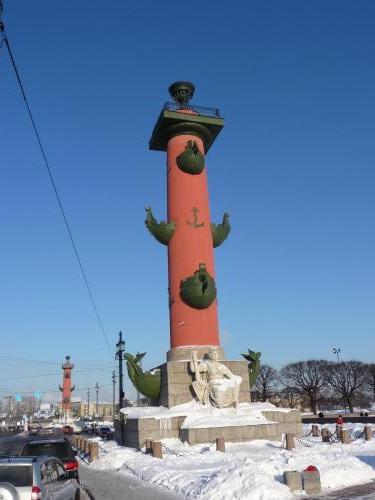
(186, 133)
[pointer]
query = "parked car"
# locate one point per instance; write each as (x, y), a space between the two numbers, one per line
(105, 432)
(46, 431)
(36, 478)
(60, 448)
(34, 430)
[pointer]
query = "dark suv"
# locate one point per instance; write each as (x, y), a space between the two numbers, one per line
(59, 448)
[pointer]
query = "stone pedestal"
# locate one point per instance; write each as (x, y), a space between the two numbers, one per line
(290, 444)
(176, 380)
(185, 353)
(293, 479)
(345, 436)
(368, 432)
(138, 431)
(325, 435)
(315, 430)
(311, 482)
(94, 451)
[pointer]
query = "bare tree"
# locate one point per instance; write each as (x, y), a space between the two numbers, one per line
(266, 382)
(347, 378)
(308, 377)
(291, 396)
(370, 379)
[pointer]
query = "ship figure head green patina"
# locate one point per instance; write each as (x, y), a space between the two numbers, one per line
(254, 365)
(199, 290)
(191, 161)
(147, 383)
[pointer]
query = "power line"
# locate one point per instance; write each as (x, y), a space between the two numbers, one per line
(16, 358)
(44, 391)
(37, 361)
(46, 163)
(58, 373)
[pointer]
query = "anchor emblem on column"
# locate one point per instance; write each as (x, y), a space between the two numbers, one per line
(195, 222)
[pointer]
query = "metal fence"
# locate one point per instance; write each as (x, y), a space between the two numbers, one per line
(201, 110)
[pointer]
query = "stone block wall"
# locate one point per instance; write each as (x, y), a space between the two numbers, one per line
(290, 421)
(137, 430)
(176, 380)
(233, 434)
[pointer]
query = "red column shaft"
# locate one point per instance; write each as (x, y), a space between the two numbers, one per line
(190, 245)
(67, 385)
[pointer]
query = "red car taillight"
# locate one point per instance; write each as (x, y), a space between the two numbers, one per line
(71, 465)
(36, 493)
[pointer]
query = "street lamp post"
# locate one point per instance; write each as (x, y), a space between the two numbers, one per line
(336, 351)
(120, 346)
(114, 394)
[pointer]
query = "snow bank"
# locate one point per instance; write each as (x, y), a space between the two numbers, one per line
(245, 414)
(246, 471)
(198, 415)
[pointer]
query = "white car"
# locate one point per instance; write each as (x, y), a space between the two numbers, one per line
(36, 478)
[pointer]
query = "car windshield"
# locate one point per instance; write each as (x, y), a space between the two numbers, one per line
(18, 475)
(59, 450)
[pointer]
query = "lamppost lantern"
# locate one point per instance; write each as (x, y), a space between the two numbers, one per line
(336, 350)
(120, 346)
(120, 356)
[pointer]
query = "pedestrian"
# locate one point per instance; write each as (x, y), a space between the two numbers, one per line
(361, 414)
(339, 420)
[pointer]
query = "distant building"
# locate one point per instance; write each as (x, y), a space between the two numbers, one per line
(105, 410)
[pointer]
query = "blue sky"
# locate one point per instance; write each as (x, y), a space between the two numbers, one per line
(294, 166)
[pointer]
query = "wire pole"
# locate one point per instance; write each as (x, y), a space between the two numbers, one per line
(88, 402)
(120, 356)
(97, 399)
(114, 395)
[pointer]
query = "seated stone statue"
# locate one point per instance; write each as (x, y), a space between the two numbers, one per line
(214, 383)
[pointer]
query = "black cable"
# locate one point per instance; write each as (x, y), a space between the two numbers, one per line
(57, 374)
(16, 358)
(98, 317)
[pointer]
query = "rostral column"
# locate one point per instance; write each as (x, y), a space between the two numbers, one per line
(186, 133)
(67, 389)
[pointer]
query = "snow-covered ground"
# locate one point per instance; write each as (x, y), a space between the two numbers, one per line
(251, 471)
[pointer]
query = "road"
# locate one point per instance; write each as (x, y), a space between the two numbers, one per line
(108, 485)
(101, 485)
(12, 444)
(360, 492)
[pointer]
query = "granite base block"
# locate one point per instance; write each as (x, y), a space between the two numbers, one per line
(138, 430)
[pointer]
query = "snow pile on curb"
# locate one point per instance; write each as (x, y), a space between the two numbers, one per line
(251, 471)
